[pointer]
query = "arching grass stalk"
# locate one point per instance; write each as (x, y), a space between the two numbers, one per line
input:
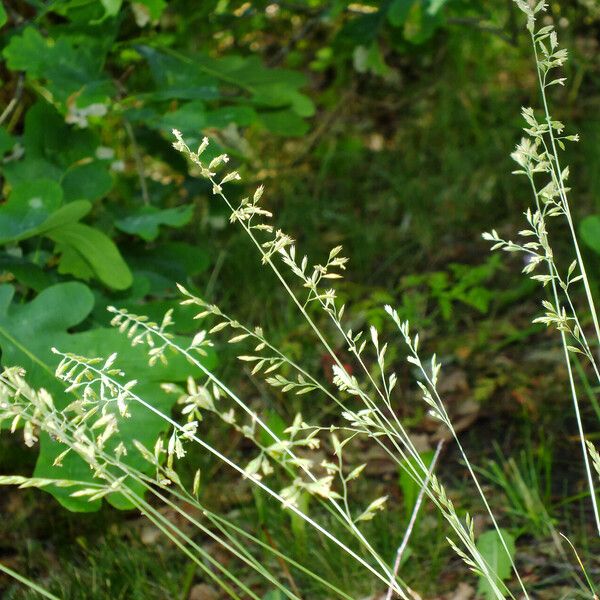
(281, 244)
(71, 436)
(535, 155)
(86, 372)
(73, 362)
(438, 411)
(27, 582)
(80, 377)
(42, 415)
(145, 331)
(544, 67)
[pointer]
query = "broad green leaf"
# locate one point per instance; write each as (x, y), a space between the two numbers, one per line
(29, 205)
(2, 15)
(193, 117)
(222, 117)
(34, 208)
(283, 122)
(73, 263)
(590, 232)
(82, 12)
(7, 141)
(189, 118)
(281, 94)
(172, 262)
(248, 71)
(26, 272)
(90, 181)
(51, 147)
(48, 136)
(26, 52)
(176, 77)
(147, 221)
(65, 215)
(63, 68)
(398, 11)
(111, 7)
(28, 331)
(491, 548)
(32, 167)
(87, 246)
(193, 76)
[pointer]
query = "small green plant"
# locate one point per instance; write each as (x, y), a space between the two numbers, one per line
(524, 482)
(461, 284)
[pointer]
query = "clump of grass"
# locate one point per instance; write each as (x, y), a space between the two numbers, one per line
(113, 568)
(286, 468)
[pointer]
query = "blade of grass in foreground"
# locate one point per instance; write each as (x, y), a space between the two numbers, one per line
(30, 584)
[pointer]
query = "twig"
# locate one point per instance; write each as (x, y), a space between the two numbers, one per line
(14, 100)
(413, 520)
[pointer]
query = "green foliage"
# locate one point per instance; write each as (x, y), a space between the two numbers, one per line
(87, 252)
(109, 568)
(146, 222)
(464, 284)
(27, 334)
(590, 232)
(92, 192)
(262, 96)
(492, 549)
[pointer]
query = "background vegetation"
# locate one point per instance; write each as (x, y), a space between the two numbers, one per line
(383, 126)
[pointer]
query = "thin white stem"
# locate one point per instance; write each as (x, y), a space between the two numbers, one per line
(412, 521)
(572, 386)
(474, 478)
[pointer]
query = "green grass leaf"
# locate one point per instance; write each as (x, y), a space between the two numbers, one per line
(147, 221)
(89, 251)
(410, 489)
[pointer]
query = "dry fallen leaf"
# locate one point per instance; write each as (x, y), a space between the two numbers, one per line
(149, 535)
(463, 592)
(201, 591)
